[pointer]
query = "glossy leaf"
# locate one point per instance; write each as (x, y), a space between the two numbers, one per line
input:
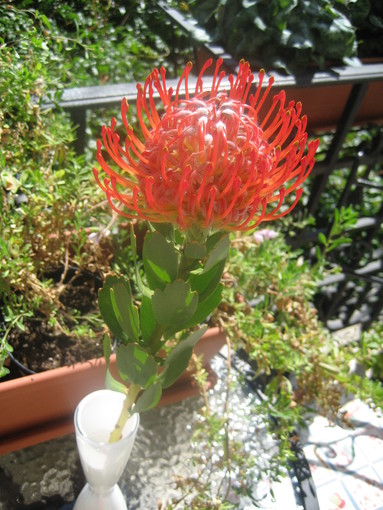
(179, 357)
(205, 283)
(195, 250)
(206, 307)
(107, 347)
(106, 307)
(213, 240)
(322, 238)
(135, 365)
(112, 384)
(145, 291)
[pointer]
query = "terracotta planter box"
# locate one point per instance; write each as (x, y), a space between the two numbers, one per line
(325, 100)
(40, 407)
(323, 94)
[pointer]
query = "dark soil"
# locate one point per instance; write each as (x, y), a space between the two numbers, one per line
(43, 346)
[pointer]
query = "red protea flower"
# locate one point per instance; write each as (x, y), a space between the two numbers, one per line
(209, 160)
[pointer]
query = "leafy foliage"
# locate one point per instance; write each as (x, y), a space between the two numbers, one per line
(154, 346)
(370, 353)
(44, 219)
(299, 366)
(91, 43)
(47, 222)
(367, 18)
(293, 35)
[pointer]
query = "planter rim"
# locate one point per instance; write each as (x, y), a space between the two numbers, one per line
(47, 375)
(81, 366)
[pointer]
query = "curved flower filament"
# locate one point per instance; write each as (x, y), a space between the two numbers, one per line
(209, 159)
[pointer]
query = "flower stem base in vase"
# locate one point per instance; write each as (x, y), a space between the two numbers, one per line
(102, 462)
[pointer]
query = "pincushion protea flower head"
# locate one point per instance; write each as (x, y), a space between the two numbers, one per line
(212, 160)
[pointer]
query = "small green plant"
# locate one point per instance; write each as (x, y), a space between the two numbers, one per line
(343, 222)
(94, 43)
(280, 330)
(46, 220)
(267, 312)
(369, 353)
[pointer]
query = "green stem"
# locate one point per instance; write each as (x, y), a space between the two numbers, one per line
(125, 414)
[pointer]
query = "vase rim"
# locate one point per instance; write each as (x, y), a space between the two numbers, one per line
(102, 394)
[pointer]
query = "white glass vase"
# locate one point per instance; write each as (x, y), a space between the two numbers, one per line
(102, 462)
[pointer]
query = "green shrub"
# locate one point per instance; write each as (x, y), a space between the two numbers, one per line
(293, 35)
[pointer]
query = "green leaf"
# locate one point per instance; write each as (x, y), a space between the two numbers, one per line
(213, 240)
(322, 238)
(218, 253)
(206, 307)
(175, 305)
(148, 321)
(145, 291)
(160, 260)
(45, 20)
(205, 283)
(179, 357)
(166, 229)
(110, 382)
(333, 369)
(338, 242)
(336, 216)
(125, 311)
(106, 307)
(149, 398)
(135, 365)
(107, 348)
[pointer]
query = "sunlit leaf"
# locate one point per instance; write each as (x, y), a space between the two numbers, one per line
(179, 357)
(135, 365)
